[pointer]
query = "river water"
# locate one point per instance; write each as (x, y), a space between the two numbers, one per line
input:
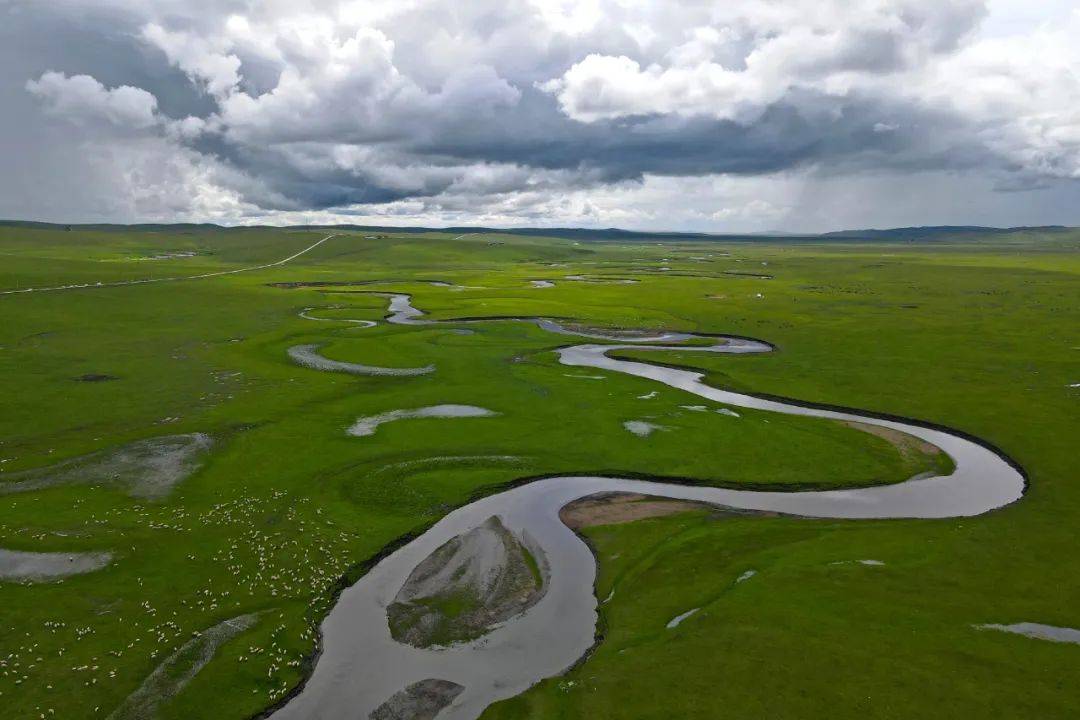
(361, 665)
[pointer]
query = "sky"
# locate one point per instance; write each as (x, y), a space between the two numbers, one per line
(693, 115)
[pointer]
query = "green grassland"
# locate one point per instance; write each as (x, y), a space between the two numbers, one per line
(813, 633)
(982, 336)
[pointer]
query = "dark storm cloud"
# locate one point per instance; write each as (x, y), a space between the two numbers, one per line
(536, 134)
(322, 105)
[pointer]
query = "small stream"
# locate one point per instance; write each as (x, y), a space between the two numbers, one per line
(361, 666)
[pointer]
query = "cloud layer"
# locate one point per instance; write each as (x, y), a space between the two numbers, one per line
(748, 115)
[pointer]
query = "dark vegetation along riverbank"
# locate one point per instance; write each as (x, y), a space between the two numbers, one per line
(267, 502)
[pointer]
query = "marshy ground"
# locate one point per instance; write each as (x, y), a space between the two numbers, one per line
(282, 508)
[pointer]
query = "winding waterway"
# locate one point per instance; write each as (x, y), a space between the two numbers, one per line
(361, 665)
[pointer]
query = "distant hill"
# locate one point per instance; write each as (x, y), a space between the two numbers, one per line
(938, 232)
(909, 234)
(608, 234)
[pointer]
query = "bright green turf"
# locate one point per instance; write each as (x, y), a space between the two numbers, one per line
(990, 350)
(983, 339)
(813, 634)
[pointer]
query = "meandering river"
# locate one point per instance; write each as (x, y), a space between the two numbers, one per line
(361, 665)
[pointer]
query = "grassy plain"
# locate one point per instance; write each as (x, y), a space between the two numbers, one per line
(978, 336)
(981, 337)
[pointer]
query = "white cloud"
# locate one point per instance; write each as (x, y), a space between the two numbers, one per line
(553, 111)
(349, 90)
(1021, 95)
(602, 88)
(81, 98)
(202, 60)
(745, 56)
